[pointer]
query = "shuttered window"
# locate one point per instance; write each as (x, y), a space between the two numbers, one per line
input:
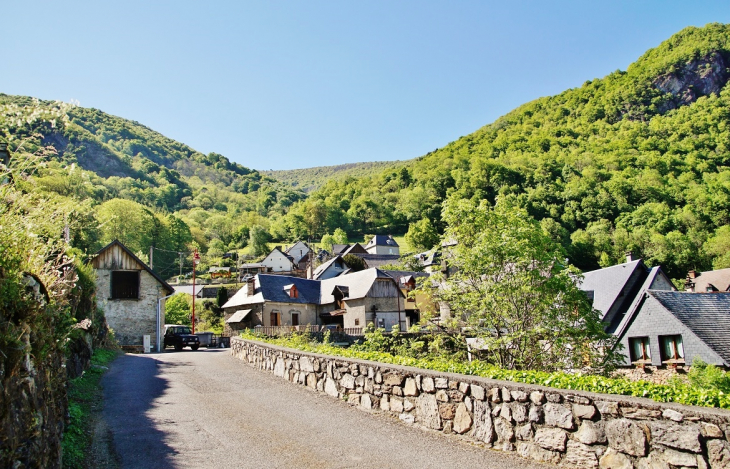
(125, 284)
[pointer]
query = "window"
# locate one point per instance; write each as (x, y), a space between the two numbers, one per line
(639, 349)
(125, 284)
(357, 321)
(672, 348)
(275, 318)
(293, 293)
(294, 319)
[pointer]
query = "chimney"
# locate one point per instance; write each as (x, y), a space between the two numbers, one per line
(251, 286)
(629, 256)
(692, 274)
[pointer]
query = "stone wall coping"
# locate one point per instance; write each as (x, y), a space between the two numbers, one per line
(625, 401)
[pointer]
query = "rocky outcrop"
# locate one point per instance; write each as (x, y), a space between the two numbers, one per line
(568, 428)
(699, 77)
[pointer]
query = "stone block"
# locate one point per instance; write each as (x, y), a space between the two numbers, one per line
(447, 411)
(537, 397)
(347, 381)
(366, 402)
(505, 412)
(494, 395)
(685, 437)
(462, 419)
(448, 427)
(583, 411)
(463, 388)
(312, 380)
(506, 395)
(442, 396)
(427, 411)
(441, 383)
(580, 456)
(518, 395)
(607, 408)
(468, 402)
(455, 395)
(557, 415)
(396, 404)
(427, 385)
(393, 379)
(553, 439)
(353, 399)
(672, 414)
(591, 433)
(483, 426)
(718, 454)
(612, 459)
(330, 387)
(410, 389)
(554, 398)
(306, 365)
(524, 432)
(397, 391)
(379, 377)
(536, 453)
(477, 392)
(626, 436)
(408, 405)
(637, 413)
(504, 430)
(519, 412)
(535, 414)
(385, 403)
(710, 430)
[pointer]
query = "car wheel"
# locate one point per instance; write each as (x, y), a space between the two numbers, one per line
(194, 347)
(178, 347)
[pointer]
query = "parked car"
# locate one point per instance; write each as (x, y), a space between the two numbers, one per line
(180, 336)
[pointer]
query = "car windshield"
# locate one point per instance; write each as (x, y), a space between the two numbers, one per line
(182, 330)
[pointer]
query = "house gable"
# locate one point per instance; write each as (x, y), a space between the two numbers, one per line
(277, 261)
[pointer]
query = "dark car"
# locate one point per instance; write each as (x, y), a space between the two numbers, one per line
(179, 337)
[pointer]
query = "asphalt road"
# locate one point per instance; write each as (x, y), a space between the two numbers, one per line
(206, 409)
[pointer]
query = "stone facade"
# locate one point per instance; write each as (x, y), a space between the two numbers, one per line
(570, 428)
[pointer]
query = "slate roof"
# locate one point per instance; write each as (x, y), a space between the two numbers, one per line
(382, 240)
(298, 251)
(323, 268)
(636, 303)
(719, 279)
(189, 289)
(707, 315)
(400, 274)
(376, 260)
(358, 283)
(608, 284)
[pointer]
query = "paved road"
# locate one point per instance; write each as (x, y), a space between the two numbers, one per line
(206, 409)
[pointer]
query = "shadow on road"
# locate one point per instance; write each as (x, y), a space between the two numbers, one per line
(130, 389)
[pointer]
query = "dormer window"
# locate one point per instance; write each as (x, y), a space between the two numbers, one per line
(292, 291)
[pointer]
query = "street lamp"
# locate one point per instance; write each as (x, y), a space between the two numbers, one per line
(196, 261)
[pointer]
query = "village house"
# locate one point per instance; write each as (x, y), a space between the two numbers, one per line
(346, 301)
(381, 244)
(408, 282)
(300, 254)
(708, 282)
(278, 261)
(332, 268)
(131, 295)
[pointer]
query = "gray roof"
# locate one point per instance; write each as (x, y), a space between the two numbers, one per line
(636, 303)
(189, 289)
(376, 260)
(608, 284)
(719, 279)
(400, 274)
(358, 283)
(382, 240)
(705, 314)
(323, 268)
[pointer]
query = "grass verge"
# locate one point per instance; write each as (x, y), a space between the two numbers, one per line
(83, 393)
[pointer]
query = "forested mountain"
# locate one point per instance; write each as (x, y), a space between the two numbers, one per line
(636, 161)
(121, 179)
(310, 179)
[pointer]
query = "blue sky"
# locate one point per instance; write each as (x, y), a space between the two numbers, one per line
(285, 85)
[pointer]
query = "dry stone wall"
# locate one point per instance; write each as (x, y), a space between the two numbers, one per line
(566, 428)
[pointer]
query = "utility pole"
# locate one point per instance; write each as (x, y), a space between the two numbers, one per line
(152, 251)
(196, 259)
(181, 263)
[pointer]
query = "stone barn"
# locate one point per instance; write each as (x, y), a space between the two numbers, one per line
(129, 292)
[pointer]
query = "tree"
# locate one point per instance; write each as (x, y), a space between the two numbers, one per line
(340, 237)
(259, 239)
(353, 262)
(513, 289)
(422, 235)
(177, 309)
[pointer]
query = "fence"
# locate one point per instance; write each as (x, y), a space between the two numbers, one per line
(312, 329)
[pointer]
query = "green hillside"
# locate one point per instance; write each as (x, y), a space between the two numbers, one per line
(311, 179)
(636, 161)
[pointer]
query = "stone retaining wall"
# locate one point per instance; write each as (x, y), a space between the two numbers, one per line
(569, 428)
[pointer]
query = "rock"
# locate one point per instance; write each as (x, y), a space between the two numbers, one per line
(520, 396)
(710, 430)
(580, 455)
(537, 397)
(408, 405)
(672, 414)
(447, 411)
(369, 385)
(279, 368)
(557, 415)
(519, 412)
(397, 391)
(427, 411)
(477, 392)
(385, 403)
(506, 395)
(483, 429)
(441, 383)
(583, 411)
(493, 395)
(410, 389)
(393, 379)
(379, 377)
(626, 436)
(640, 414)
(506, 412)
(504, 430)
(524, 432)
(427, 385)
(396, 404)
(407, 418)
(455, 395)
(718, 454)
(366, 402)
(442, 396)
(462, 419)
(578, 400)
(306, 365)
(607, 408)
(678, 458)
(554, 398)
(535, 414)
(448, 427)
(686, 437)
(533, 451)
(551, 438)
(347, 381)
(330, 387)
(496, 411)
(591, 433)
(353, 399)
(311, 380)
(612, 459)
(463, 388)
(469, 404)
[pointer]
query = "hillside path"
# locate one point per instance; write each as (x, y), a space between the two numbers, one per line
(206, 409)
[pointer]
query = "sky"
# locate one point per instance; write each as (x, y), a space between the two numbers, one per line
(287, 85)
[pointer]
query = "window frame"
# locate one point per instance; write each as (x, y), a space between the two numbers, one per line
(645, 343)
(117, 285)
(677, 345)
